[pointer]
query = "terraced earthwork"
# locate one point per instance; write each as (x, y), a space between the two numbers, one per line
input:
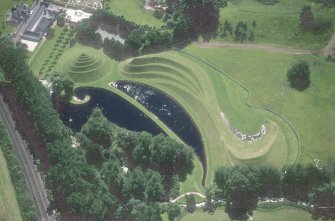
(83, 64)
(207, 95)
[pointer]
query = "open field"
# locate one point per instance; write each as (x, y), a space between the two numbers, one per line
(133, 11)
(283, 214)
(9, 208)
(264, 73)
(279, 23)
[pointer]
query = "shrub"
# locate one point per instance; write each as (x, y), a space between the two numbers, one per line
(299, 76)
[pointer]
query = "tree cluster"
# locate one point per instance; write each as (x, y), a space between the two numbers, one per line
(193, 18)
(308, 23)
(23, 196)
(138, 39)
(242, 186)
(241, 32)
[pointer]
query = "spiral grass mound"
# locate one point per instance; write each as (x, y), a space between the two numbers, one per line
(206, 94)
(83, 64)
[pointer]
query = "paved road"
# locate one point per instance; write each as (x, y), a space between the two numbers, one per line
(327, 50)
(32, 176)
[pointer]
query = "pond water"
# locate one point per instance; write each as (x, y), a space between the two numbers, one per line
(115, 109)
(168, 111)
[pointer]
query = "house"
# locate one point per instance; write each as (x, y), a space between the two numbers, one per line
(18, 14)
(39, 23)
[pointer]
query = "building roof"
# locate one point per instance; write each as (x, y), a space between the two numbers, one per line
(19, 13)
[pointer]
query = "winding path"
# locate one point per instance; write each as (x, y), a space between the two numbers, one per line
(325, 51)
(31, 174)
(188, 193)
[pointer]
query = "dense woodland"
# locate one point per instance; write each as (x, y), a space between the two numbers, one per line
(184, 21)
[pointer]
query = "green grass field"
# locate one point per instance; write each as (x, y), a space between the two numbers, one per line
(9, 208)
(133, 11)
(280, 23)
(283, 214)
(264, 73)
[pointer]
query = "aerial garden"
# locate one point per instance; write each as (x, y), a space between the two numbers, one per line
(256, 134)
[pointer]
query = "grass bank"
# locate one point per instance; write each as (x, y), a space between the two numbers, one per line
(9, 208)
(283, 214)
(264, 73)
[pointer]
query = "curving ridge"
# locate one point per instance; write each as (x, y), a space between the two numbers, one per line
(83, 64)
(180, 78)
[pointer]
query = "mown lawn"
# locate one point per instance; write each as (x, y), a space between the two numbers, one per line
(284, 214)
(264, 73)
(280, 23)
(9, 208)
(47, 53)
(133, 11)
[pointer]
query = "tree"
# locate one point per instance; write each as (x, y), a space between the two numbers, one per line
(173, 211)
(306, 18)
(322, 200)
(190, 203)
(241, 31)
(197, 17)
(241, 192)
(135, 184)
(154, 190)
(61, 20)
(210, 193)
(299, 76)
(298, 181)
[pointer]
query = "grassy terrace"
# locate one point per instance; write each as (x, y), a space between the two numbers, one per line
(9, 208)
(280, 23)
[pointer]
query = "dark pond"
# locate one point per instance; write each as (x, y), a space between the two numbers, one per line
(115, 109)
(168, 111)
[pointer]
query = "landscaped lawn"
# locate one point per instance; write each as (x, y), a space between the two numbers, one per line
(205, 94)
(284, 214)
(47, 53)
(133, 10)
(279, 23)
(264, 73)
(9, 208)
(5, 6)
